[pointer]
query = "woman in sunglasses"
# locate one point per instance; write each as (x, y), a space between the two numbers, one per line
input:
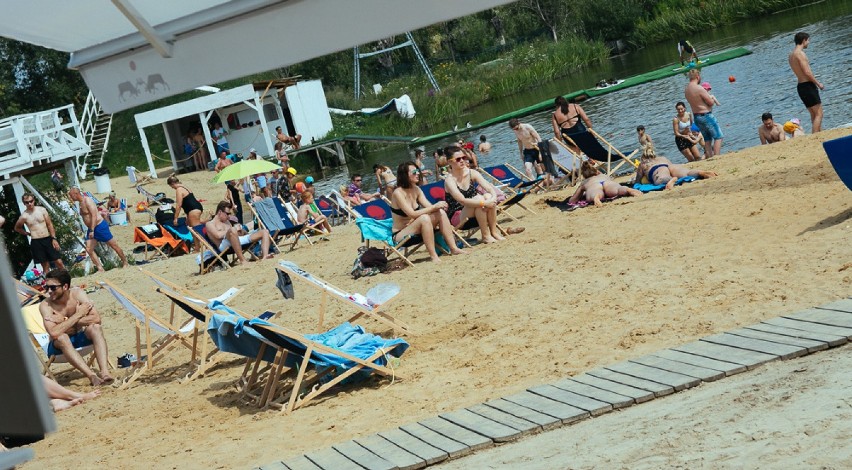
(463, 199)
(414, 215)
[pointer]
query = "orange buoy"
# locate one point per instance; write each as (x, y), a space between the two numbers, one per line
(731, 78)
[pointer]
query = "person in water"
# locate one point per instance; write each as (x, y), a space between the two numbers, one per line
(660, 170)
(597, 186)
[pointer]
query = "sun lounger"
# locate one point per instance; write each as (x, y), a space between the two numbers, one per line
(151, 198)
(310, 227)
(275, 219)
(41, 341)
(327, 359)
(162, 241)
(343, 205)
(356, 301)
(839, 153)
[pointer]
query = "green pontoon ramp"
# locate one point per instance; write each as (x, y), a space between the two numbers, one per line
(665, 72)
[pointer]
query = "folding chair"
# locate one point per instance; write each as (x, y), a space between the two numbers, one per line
(207, 263)
(155, 350)
(281, 228)
(89, 194)
(839, 151)
(27, 294)
(202, 314)
(150, 198)
(179, 232)
(435, 193)
(336, 355)
(294, 216)
(589, 142)
(376, 224)
(343, 205)
(41, 340)
(364, 308)
(329, 209)
(154, 236)
(506, 177)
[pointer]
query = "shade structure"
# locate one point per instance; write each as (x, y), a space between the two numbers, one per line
(245, 168)
(131, 52)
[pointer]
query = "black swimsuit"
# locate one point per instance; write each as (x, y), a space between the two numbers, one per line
(401, 213)
(455, 206)
(189, 202)
(575, 129)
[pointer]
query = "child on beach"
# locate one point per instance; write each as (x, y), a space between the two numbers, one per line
(707, 87)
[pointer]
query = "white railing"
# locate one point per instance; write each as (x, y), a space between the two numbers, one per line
(42, 137)
(89, 127)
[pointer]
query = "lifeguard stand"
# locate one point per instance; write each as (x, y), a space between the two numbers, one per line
(38, 142)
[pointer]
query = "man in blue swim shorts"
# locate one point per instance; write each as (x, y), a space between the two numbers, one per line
(98, 228)
(702, 111)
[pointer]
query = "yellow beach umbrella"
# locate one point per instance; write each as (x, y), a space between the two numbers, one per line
(244, 168)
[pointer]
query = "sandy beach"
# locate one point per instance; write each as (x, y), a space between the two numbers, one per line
(576, 290)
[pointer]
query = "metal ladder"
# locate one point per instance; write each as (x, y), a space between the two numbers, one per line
(410, 42)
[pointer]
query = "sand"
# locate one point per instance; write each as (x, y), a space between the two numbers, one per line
(577, 290)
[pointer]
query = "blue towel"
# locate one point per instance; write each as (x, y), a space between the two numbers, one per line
(657, 187)
(230, 333)
(372, 229)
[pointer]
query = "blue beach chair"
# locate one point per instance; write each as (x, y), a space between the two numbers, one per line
(589, 142)
(272, 216)
(839, 153)
(376, 224)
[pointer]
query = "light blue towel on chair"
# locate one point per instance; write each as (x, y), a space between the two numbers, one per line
(372, 229)
(231, 333)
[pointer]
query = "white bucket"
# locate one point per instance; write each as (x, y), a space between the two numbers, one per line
(118, 218)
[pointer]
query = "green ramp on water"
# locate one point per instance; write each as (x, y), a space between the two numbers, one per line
(665, 72)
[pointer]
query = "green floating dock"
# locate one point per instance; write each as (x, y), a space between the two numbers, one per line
(665, 72)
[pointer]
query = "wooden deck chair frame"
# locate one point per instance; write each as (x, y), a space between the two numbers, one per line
(469, 226)
(294, 217)
(280, 237)
(333, 292)
(571, 174)
(219, 256)
(27, 294)
(88, 352)
(335, 214)
(155, 350)
(137, 231)
(408, 247)
(293, 400)
(343, 205)
(141, 180)
(514, 196)
(611, 150)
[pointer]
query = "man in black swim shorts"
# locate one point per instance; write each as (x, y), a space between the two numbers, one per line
(808, 86)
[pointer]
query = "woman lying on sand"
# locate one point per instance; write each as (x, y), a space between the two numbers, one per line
(659, 170)
(597, 186)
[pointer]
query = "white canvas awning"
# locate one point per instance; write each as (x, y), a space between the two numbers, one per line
(132, 52)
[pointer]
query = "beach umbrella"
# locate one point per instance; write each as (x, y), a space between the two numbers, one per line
(244, 168)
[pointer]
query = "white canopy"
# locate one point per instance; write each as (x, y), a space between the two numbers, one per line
(132, 52)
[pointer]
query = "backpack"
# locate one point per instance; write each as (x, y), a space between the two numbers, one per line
(369, 262)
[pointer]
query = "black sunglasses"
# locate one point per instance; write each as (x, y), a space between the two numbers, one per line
(51, 288)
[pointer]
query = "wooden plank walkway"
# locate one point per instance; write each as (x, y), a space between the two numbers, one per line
(596, 392)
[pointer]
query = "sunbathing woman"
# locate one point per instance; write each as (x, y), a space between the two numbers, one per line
(414, 215)
(465, 201)
(597, 186)
(659, 170)
(385, 179)
(566, 121)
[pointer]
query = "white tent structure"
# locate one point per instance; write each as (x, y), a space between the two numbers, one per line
(132, 52)
(249, 113)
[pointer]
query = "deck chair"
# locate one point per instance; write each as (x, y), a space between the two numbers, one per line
(506, 177)
(170, 335)
(96, 200)
(566, 161)
(364, 308)
(202, 314)
(293, 213)
(589, 142)
(839, 153)
(27, 294)
(279, 225)
(343, 205)
(151, 198)
(376, 224)
(329, 209)
(162, 241)
(210, 255)
(435, 193)
(326, 359)
(41, 340)
(179, 232)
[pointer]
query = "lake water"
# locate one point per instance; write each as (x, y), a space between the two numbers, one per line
(764, 83)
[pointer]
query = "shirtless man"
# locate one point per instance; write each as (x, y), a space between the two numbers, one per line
(528, 140)
(43, 245)
(72, 322)
(701, 103)
(484, 145)
(295, 141)
(224, 235)
(808, 86)
(222, 162)
(98, 229)
(770, 132)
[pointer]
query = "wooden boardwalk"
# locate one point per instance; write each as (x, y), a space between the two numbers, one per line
(594, 393)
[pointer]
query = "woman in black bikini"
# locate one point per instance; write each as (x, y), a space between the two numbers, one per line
(184, 199)
(465, 201)
(568, 119)
(414, 215)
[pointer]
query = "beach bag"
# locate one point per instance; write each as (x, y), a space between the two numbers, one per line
(369, 262)
(165, 215)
